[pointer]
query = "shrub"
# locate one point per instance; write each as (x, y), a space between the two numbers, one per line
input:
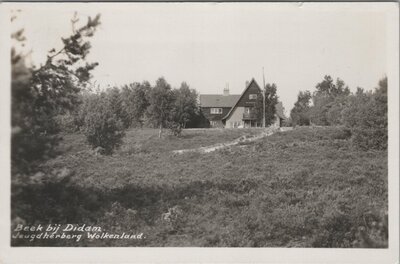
(175, 128)
(366, 117)
(369, 138)
(102, 127)
(336, 231)
(67, 123)
(375, 233)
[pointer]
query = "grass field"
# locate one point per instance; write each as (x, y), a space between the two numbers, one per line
(302, 188)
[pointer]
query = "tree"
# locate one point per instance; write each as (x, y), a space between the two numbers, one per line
(334, 114)
(135, 101)
(199, 121)
(318, 112)
(81, 110)
(38, 95)
(300, 112)
(185, 105)
(271, 100)
(328, 101)
(161, 100)
(116, 102)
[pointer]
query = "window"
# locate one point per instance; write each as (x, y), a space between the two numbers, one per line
(216, 111)
(236, 124)
(213, 123)
(252, 96)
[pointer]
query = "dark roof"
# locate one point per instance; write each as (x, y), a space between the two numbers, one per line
(218, 100)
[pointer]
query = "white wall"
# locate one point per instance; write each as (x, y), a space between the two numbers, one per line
(236, 116)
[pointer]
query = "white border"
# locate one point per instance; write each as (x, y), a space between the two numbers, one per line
(239, 255)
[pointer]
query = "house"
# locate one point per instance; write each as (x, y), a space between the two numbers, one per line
(234, 110)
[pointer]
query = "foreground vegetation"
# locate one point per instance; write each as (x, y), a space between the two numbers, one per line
(303, 188)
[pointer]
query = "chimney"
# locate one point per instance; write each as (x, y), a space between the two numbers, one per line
(226, 89)
(247, 84)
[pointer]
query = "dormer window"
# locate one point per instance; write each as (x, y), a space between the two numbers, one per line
(252, 96)
(216, 111)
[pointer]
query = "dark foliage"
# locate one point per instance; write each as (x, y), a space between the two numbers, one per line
(300, 113)
(135, 102)
(102, 125)
(271, 99)
(328, 101)
(363, 113)
(367, 117)
(185, 107)
(39, 95)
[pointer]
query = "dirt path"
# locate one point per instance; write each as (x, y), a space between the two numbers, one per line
(267, 132)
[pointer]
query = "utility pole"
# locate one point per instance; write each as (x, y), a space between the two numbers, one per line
(263, 92)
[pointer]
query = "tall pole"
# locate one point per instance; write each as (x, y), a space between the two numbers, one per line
(263, 91)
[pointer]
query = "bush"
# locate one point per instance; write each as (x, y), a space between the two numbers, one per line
(67, 123)
(364, 138)
(175, 128)
(102, 127)
(366, 117)
(336, 231)
(375, 233)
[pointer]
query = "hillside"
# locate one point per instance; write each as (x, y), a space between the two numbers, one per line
(302, 188)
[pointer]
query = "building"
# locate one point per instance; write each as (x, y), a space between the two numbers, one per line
(234, 110)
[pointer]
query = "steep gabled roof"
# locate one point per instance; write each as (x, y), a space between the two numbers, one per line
(244, 91)
(279, 106)
(218, 100)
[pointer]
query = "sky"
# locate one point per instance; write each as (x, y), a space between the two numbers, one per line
(210, 45)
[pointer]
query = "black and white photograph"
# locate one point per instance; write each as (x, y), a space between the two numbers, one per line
(201, 125)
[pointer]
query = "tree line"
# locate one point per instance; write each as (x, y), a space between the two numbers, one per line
(103, 116)
(363, 113)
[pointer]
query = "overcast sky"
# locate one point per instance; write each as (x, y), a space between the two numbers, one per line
(209, 45)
